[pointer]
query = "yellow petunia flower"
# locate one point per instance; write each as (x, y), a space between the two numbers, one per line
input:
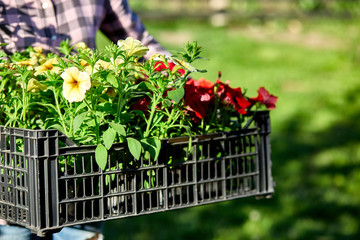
(81, 45)
(38, 49)
(75, 84)
(31, 62)
(118, 61)
(99, 65)
(4, 65)
(48, 65)
(35, 86)
(38, 54)
(133, 47)
(83, 63)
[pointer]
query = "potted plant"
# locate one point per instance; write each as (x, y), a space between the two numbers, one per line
(91, 135)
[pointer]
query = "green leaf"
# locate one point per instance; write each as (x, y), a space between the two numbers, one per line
(106, 107)
(125, 117)
(146, 184)
(105, 96)
(78, 120)
(26, 75)
(167, 103)
(86, 139)
(177, 94)
(201, 71)
(140, 114)
(109, 137)
(184, 64)
(81, 106)
(153, 146)
(188, 130)
(175, 69)
(110, 178)
(57, 127)
(107, 180)
(47, 105)
(157, 119)
(120, 129)
(2, 54)
(101, 156)
(110, 78)
(99, 114)
(134, 147)
(146, 86)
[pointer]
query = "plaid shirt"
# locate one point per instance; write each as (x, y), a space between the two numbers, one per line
(46, 23)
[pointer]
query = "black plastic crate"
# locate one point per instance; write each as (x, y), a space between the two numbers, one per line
(40, 191)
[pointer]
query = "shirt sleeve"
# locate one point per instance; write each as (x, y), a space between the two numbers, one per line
(121, 22)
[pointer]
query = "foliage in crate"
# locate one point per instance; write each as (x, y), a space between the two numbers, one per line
(114, 96)
(221, 166)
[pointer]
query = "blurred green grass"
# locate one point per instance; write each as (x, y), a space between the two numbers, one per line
(313, 67)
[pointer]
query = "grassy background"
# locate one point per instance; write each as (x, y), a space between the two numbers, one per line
(313, 67)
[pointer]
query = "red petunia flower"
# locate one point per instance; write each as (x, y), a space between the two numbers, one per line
(232, 96)
(264, 97)
(143, 105)
(198, 96)
(159, 66)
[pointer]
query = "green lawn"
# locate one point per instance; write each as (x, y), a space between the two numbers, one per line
(313, 67)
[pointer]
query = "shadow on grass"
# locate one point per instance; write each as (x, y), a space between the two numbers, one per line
(192, 223)
(324, 205)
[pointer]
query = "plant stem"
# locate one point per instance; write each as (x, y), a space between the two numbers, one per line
(23, 112)
(122, 92)
(152, 113)
(97, 127)
(24, 99)
(71, 121)
(120, 105)
(214, 114)
(59, 112)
